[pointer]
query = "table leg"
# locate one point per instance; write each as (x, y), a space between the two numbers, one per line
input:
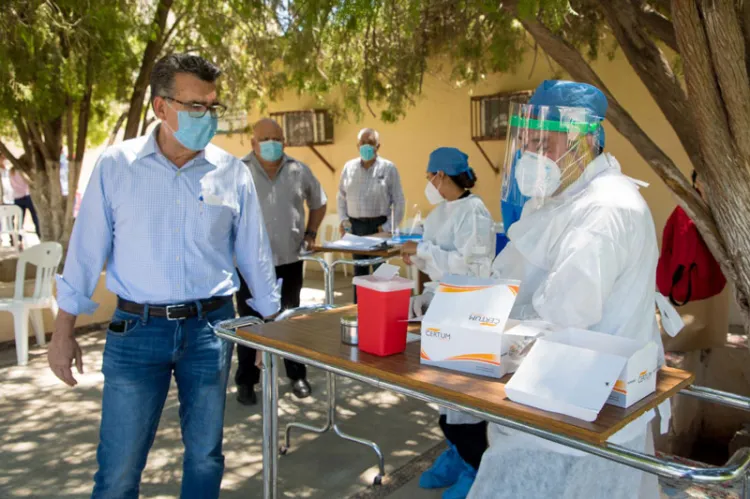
(332, 410)
(314, 429)
(270, 425)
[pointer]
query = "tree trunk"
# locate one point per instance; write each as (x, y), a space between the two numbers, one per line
(711, 43)
(46, 194)
(153, 48)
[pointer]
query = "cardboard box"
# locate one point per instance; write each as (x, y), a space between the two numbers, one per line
(575, 372)
(463, 327)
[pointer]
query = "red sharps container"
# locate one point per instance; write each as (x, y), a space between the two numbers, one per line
(382, 312)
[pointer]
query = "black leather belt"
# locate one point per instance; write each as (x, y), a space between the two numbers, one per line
(176, 312)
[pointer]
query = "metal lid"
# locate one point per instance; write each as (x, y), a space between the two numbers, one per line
(349, 320)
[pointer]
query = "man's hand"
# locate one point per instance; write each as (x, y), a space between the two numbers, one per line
(346, 226)
(64, 349)
(308, 243)
(406, 259)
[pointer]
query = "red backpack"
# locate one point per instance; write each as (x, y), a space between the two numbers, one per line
(687, 271)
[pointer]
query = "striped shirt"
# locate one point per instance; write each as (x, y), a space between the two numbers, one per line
(371, 192)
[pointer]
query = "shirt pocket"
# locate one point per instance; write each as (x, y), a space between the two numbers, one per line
(214, 220)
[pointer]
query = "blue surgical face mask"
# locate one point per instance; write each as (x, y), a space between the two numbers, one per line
(367, 152)
(195, 133)
(271, 150)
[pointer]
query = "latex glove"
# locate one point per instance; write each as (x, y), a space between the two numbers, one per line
(419, 304)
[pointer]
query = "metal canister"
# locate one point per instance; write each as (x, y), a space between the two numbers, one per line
(349, 335)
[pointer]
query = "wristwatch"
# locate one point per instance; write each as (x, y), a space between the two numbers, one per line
(311, 233)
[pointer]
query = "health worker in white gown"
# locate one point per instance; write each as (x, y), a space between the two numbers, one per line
(585, 250)
(458, 240)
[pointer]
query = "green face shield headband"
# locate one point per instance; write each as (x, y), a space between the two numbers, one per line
(582, 127)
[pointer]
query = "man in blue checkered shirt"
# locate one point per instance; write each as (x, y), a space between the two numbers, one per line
(168, 213)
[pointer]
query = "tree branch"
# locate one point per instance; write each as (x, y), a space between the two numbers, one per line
(38, 140)
(727, 46)
(658, 25)
(116, 129)
(153, 48)
(9, 156)
(172, 29)
(147, 123)
(69, 127)
(651, 66)
(23, 133)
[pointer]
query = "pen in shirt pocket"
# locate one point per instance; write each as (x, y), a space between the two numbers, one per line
(201, 203)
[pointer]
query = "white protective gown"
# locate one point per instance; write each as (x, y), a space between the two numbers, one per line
(458, 239)
(586, 259)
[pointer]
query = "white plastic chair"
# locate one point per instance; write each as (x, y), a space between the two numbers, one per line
(10, 224)
(46, 257)
(329, 232)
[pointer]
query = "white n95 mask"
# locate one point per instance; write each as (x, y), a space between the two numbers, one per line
(433, 194)
(537, 175)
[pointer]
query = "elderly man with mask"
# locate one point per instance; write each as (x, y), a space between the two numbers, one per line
(370, 197)
(167, 213)
(585, 250)
(284, 186)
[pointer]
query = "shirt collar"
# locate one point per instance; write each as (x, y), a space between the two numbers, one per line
(210, 154)
(361, 162)
(252, 159)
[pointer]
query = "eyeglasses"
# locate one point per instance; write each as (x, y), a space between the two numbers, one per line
(198, 110)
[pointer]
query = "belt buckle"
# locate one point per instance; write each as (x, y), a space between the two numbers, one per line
(168, 309)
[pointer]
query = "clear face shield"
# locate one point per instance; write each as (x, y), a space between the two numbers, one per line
(548, 149)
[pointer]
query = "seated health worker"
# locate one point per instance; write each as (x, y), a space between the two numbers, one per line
(458, 239)
(585, 250)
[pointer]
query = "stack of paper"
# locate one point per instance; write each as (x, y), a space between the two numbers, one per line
(352, 242)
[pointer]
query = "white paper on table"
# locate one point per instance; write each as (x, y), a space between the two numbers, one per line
(352, 242)
(565, 379)
(386, 271)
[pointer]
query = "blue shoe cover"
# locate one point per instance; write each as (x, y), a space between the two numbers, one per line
(445, 471)
(460, 490)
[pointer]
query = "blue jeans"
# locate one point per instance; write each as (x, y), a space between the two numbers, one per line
(138, 366)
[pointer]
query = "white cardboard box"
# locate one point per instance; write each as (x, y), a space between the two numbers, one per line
(463, 327)
(575, 372)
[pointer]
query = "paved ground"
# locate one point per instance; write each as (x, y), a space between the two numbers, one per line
(48, 437)
(48, 434)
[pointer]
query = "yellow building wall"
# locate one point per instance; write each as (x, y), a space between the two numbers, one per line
(441, 117)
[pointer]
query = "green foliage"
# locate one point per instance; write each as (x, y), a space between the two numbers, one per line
(51, 50)
(371, 51)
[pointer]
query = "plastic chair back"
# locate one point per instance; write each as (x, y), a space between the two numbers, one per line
(46, 257)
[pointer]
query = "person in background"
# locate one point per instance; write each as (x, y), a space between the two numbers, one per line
(19, 183)
(458, 239)
(168, 213)
(370, 197)
(7, 189)
(284, 186)
(585, 252)
(511, 204)
(64, 172)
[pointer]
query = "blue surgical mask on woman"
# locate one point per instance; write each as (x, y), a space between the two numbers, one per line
(367, 152)
(271, 150)
(195, 133)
